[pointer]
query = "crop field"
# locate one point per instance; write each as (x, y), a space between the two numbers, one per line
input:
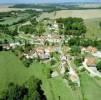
(10, 20)
(93, 28)
(5, 8)
(90, 5)
(85, 14)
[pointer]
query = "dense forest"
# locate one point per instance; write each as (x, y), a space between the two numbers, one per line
(71, 26)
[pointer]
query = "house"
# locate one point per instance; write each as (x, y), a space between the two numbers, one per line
(92, 50)
(55, 38)
(38, 40)
(90, 65)
(63, 58)
(89, 49)
(14, 45)
(64, 64)
(55, 74)
(54, 26)
(57, 49)
(6, 46)
(73, 76)
(51, 38)
(49, 49)
(39, 52)
(42, 54)
(30, 55)
(90, 61)
(97, 54)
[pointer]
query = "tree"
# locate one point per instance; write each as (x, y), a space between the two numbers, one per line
(1, 46)
(15, 32)
(98, 66)
(75, 50)
(46, 43)
(78, 61)
(74, 41)
(52, 62)
(27, 62)
(40, 28)
(6, 41)
(34, 89)
(98, 44)
(33, 21)
(28, 29)
(31, 90)
(14, 92)
(100, 24)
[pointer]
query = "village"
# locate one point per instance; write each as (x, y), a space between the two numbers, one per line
(52, 48)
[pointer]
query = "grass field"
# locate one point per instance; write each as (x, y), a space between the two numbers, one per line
(12, 70)
(56, 87)
(91, 90)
